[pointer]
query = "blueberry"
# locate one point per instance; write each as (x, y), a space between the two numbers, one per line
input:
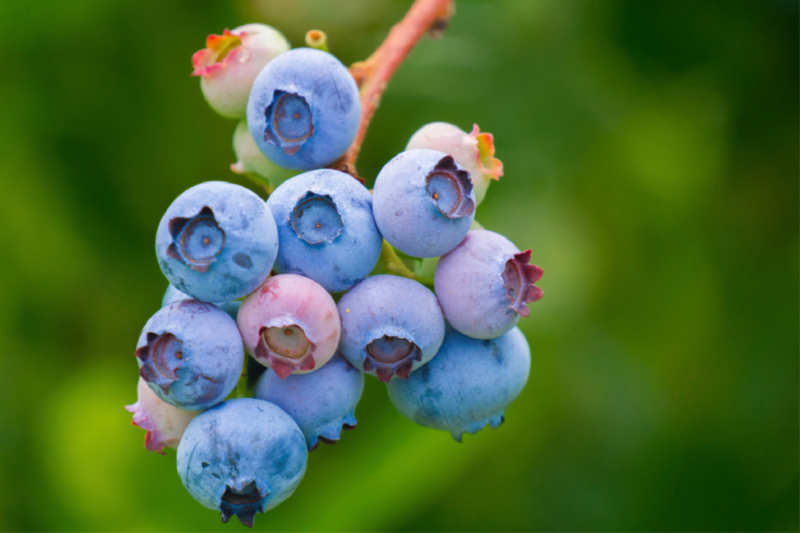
(290, 324)
(485, 284)
(229, 64)
(191, 354)
(172, 295)
(390, 325)
(467, 385)
(423, 203)
(321, 402)
(474, 151)
(242, 457)
(304, 109)
(217, 242)
(163, 422)
(326, 229)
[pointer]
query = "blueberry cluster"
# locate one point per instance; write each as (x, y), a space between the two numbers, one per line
(295, 292)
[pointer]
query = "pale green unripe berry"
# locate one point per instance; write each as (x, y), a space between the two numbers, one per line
(254, 164)
(229, 64)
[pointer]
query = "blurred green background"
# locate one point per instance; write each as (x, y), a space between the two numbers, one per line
(651, 158)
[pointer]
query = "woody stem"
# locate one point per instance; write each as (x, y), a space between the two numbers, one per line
(373, 74)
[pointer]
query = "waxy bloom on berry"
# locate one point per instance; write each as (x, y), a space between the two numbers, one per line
(163, 422)
(423, 202)
(468, 385)
(304, 109)
(217, 242)
(242, 457)
(474, 151)
(322, 402)
(326, 229)
(230, 63)
(485, 285)
(190, 354)
(390, 326)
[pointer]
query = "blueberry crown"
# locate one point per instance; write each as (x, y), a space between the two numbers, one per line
(450, 187)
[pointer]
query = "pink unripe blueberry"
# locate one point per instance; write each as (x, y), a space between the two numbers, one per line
(290, 324)
(163, 422)
(230, 63)
(474, 151)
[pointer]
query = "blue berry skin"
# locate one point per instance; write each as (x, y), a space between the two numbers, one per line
(345, 247)
(172, 295)
(304, 109)
(321, 402)
(485, 284)
(242, 457)
(390, 326)
(467, 385)
(217, 242)
(191, 354)
(423, 202)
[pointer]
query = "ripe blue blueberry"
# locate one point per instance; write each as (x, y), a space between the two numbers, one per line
(191, 354)
(242, 457)
(326, 229)
(485, 284)
(467, 385)
(423, 202)
(304, 109)
(322, 402)
(172, 295)
(217, 242)
(390, 325)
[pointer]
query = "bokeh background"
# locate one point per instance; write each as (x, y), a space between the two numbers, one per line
(651, 157)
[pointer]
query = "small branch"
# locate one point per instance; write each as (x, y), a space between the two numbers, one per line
(373, 74)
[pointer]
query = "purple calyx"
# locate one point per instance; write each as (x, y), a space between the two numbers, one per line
(285, 349)
(388, 355)
(449, 187)
(244, 504)
(196, 241)
(519, 278)
(161, 357)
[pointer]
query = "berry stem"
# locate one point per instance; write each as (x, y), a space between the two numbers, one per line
(392, 262)
(242, 390)
(318, 40)
(424, 270)
(374, 73)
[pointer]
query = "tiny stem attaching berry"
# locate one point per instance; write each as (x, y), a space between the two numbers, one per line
(318, 40)
(392, 262)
